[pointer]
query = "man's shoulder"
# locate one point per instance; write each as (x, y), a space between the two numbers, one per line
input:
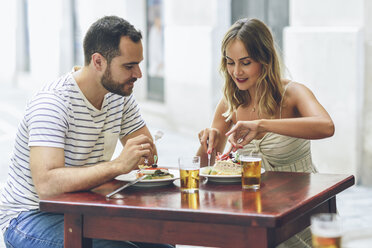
(54, 95)
(59, 88)
(64, 83)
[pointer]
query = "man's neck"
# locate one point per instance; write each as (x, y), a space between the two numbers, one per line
(90, 85)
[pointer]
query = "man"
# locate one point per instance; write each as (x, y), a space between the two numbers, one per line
(69, 132)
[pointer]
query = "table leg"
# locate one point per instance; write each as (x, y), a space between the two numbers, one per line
(264, 238)
(74, 232)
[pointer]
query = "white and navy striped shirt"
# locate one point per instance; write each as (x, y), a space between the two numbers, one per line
(60, 116)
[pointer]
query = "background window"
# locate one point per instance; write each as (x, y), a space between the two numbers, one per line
(273, 13)
(22, 42)
(155, 51)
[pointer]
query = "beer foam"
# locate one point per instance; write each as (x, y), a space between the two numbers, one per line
(189, 168)
(326, 233)
(249, 159)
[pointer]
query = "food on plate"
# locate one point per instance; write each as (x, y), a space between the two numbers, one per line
(145, 166)
(226, 164)
(154, 173)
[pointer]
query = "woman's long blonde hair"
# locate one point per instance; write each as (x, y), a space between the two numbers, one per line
(260, 46)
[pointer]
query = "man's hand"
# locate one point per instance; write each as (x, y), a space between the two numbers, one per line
(134, 150)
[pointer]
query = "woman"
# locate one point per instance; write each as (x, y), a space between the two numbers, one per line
(262, 112)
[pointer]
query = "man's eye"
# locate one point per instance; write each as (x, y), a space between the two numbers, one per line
(129, 67)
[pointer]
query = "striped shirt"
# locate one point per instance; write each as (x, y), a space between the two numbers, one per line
(60, 116)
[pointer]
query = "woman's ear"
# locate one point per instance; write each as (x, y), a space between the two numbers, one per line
(99, 62)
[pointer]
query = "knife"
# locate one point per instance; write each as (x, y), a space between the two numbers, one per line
(209, 159)
(125, 186)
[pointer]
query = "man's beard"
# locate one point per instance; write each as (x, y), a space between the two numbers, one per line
(115, 87)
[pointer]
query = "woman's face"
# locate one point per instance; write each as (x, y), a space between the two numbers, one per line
(242, 69)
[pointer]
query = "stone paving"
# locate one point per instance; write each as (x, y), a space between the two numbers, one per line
(354, 204)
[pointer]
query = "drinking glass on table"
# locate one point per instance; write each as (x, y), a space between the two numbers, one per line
(326, 230)
(189, 173)
(251, 170)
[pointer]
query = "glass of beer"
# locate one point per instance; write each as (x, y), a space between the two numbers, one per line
(326, 230)
(189, 173)
(251, 170)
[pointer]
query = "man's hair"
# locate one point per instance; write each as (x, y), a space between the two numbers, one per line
(104, 37)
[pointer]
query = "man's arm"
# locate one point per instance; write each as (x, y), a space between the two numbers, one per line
(51, 176)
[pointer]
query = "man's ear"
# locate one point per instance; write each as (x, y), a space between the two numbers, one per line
(99, 62)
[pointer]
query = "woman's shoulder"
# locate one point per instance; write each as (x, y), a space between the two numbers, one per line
(296, 94)
(293, 88)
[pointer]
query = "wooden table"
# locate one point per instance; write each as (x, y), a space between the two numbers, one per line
(220, 215)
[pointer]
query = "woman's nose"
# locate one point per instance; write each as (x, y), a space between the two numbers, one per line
(237, 70)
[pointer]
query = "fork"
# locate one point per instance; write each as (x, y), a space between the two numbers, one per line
(157, 136)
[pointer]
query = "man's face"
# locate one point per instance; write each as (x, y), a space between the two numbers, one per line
(124, 69)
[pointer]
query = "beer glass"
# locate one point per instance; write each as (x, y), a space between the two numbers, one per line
(189, 173)
(251, 170)
(326, 230)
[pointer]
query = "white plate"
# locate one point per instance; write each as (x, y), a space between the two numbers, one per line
(222, 178)
(148, 183)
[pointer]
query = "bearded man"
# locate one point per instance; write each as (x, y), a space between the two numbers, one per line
(69, 132)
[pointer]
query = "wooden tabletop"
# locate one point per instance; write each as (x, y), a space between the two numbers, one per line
(283, 195)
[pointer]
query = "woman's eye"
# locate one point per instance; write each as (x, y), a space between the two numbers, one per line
(230, 63)
(246, 63)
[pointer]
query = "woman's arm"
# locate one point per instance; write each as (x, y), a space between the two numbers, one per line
(213, 139)
(304, 117)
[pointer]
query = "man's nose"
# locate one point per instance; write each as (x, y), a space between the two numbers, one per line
(137, 73)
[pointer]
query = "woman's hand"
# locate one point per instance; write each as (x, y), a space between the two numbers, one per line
(242, 133)
(209, 139)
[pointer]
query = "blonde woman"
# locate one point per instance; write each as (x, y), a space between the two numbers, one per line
(261, 111)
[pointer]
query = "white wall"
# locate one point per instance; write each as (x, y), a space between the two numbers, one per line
(324, 49)
(327, 60)
(188, 75)
(45, 42)
(193, 32)
(7, 43)
(51, 38)
(323, 13)
(366, 164)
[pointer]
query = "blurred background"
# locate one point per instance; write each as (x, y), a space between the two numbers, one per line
(325, 44)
